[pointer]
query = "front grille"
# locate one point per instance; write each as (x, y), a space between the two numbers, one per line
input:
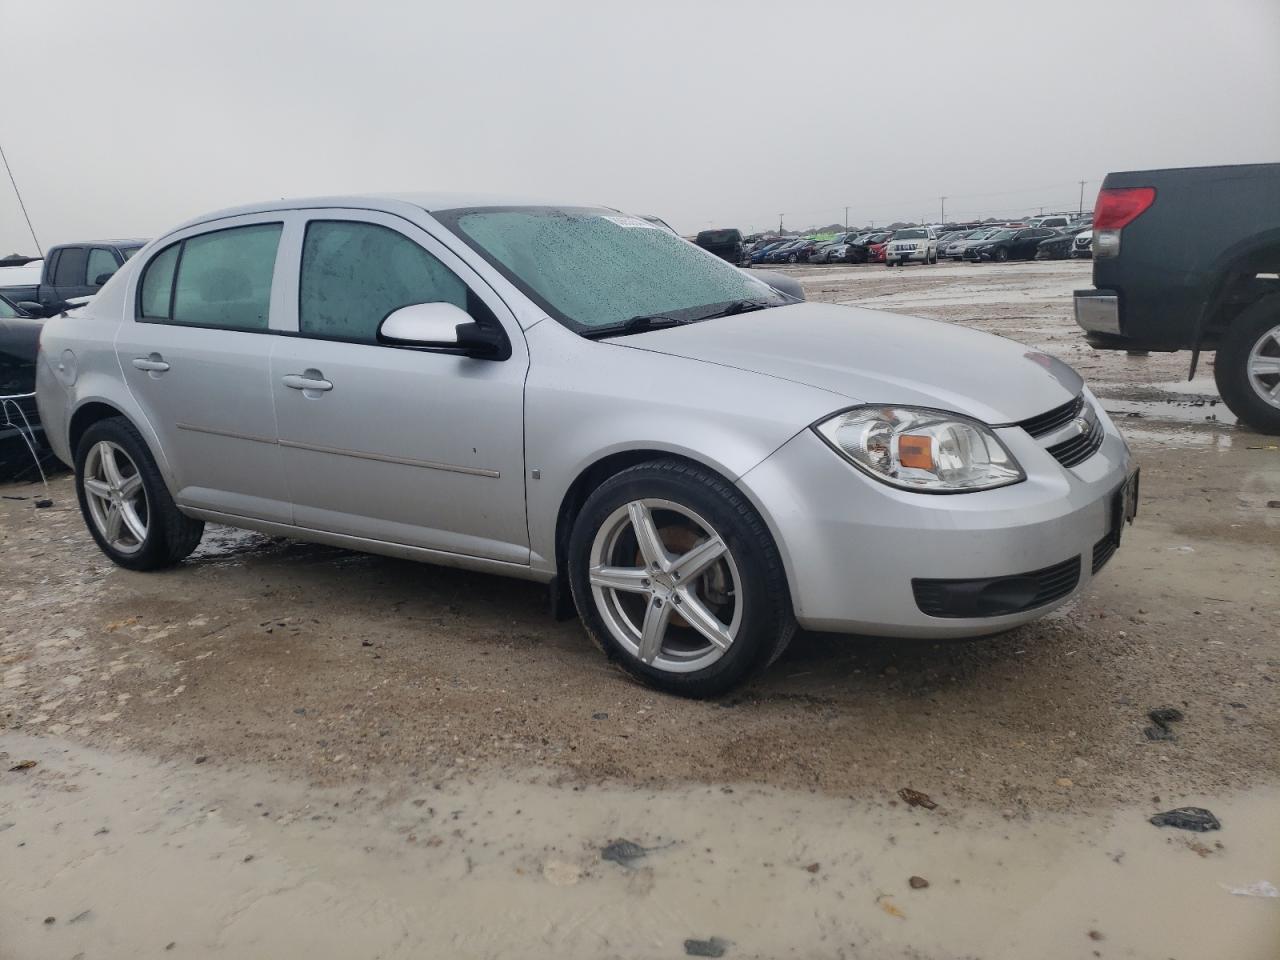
(1104, 550)
(1055, 419)
(1078, 449)
(996, 596)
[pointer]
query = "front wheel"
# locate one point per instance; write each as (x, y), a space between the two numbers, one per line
(125, 502)
(1247, 366)
(1001, 255)
(678, 579)
(792, 258)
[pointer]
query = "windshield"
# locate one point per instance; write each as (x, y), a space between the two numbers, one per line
(916, 234)
(593, 268)
(718, 237)
(128, 252)
(1001, 235)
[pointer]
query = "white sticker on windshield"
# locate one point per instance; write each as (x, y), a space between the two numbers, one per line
(634, 223)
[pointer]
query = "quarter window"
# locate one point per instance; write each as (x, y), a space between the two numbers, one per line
(101, 261)
(354, 274)
(157, 284)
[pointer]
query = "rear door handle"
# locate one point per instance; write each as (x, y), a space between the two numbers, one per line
(152, 363)
(307, 382)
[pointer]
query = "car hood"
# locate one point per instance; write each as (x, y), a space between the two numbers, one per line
(866, 356)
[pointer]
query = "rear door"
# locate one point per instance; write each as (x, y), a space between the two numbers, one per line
(197, 359)
(397, 445)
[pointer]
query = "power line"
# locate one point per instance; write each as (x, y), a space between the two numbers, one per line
(18, 194)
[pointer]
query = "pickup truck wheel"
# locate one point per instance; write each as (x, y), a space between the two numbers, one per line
(125, 502)
(678, 579)
(1247, 367)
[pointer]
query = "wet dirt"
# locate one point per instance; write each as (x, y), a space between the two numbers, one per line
(306, 675)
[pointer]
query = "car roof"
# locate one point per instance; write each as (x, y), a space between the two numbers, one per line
(389, 203)
(135, 242)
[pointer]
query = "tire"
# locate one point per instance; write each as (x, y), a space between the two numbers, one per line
(792, 258)
(168, 535)
(1001, 255)
(744, 589)
(1256, 331)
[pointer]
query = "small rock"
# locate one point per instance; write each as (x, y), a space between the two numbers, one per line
(1163, 716)
(1096, 935)
(300, 711)
(248, 858)
(914, 798)
(814, 867)
(918, 883)
(715, 947)
(201, 759)
(1187, 818)
(49, 920)
(622, 852)
(600, 716)
(23, 765)
(1065, 782)
(171, 944)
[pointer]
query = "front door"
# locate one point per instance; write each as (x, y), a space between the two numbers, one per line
(394, 444)
(196, 357)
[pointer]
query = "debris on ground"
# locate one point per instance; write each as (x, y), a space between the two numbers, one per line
(814, 867)
(600, 716)
(889, 907)
(1096, 935)
(714, 947)
(623, 852)
(23, 765)
(914, 798)
(1263, 888)
(1188, 818)
(82, 915)
(1161, 718)
(917, 883)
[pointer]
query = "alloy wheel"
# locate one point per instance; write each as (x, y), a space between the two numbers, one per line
(116, 497)
(666, 585)
(1263, 367)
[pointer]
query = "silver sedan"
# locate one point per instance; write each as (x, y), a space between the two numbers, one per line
(695, 461)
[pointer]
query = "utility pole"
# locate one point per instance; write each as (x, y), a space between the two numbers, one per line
(1080, 212)
(944, 210)
(779, 224)
(846, 219)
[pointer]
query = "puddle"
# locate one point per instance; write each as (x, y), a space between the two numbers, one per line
(1202, 410)
(131, 858)
(1201, 439)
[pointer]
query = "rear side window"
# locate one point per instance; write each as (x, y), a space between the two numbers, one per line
(354, 274)
(157, 284)
(70, 268)
(102, 264)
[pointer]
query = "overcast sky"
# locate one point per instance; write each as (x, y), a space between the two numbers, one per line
(120, 119)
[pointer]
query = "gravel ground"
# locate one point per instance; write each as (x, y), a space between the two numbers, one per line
(339, 670)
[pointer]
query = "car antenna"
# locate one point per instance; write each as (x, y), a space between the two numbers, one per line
(18, 194)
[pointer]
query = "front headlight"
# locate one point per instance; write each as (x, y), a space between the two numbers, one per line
(925, 450)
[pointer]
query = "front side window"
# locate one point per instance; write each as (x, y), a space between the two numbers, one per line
(354, 274)
(592, 268)
(69, 271)
(224, 278)
(102, 264)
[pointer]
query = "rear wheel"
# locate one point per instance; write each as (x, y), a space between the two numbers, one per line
(677, 578)
(1247, 366)
(125, 502)
(1001, 254)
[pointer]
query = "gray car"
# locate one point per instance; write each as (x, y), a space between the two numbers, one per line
(576, 396)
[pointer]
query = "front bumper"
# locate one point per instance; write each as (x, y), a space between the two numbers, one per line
(853, 546)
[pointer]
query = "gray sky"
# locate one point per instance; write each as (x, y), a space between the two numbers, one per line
(120, 119)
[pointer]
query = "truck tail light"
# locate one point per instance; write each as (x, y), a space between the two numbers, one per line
(1116, 209)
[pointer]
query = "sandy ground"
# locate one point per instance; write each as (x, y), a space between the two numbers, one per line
(280, 750)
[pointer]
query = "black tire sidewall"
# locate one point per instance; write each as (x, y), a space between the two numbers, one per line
(1230, 366)
(767, 621)
(155, 551)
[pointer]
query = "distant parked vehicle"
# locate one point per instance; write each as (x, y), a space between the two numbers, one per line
(1008, 244)
(1083, 246)
(876, 250)
(72, 271)
(1056, 247)
(912, 245)
(21, 435)
(1056, 220)
(955, 247)
(725, 244)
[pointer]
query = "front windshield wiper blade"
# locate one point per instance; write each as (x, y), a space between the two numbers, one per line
(639, 324)
(738, 306)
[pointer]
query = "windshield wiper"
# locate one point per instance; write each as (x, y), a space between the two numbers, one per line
(738, 306)
(639, 324)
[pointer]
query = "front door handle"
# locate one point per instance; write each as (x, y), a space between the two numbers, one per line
(152, 363)
(308, 382)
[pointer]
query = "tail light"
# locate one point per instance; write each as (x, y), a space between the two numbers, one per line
(1116, 209)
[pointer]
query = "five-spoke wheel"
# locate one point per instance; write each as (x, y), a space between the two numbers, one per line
(117, 499)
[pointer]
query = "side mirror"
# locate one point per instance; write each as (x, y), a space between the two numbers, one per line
(31, 308)
(440, 327)
(102, 278)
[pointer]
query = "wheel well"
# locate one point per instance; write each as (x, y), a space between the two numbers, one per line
(586, 482)
(1238, 288)
(86, 417)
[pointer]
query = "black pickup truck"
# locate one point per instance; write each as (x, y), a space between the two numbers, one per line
(1188, 259)
(72, 270)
